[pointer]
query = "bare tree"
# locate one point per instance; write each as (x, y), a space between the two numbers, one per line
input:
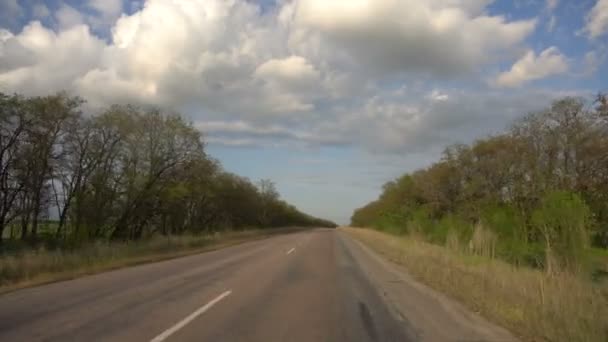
(13, 123)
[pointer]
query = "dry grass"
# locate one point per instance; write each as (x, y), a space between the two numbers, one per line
(530, 303)
(41, 266)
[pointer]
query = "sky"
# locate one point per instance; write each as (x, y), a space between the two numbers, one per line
(330, 99)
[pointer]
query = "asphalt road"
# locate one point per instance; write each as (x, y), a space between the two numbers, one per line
(316, 285)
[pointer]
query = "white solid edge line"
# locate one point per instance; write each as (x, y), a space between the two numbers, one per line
(291, 250)
(190, 318)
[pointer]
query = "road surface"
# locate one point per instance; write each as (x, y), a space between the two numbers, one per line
(316, 285)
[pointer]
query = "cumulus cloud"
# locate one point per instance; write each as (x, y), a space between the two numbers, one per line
(182, 53)
(294, 78)
(440, 37)
(306, 72)
(39, 60)
(291, 70)
(107, 7)
(597, 19)
(532, 67)
(67, 17)
(107, 12)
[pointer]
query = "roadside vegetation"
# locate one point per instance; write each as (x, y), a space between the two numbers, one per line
(70, 179)
(34, 266)
(530, 206)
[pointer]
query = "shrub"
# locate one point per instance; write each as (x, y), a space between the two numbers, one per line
(513, 244)
(483, 241)
(562, 220)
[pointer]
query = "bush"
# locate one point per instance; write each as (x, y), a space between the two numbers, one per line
(450, 225)
(391, 223)
(483, 241)
(419, 223)
(562, 220)
(512, 242)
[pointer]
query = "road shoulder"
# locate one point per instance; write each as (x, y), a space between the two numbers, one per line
(434, 316)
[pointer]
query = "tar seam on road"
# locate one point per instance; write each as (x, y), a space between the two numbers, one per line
(163, 336)
(291, 250)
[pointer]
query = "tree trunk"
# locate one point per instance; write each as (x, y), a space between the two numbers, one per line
(63, 216)
(2, 227)
(164, 224)
(36, 212)
(34, 232)
(24, 224)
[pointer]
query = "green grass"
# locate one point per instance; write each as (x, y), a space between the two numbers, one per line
(598, 263)
(599, 255)
(34, 267)
(532, 304)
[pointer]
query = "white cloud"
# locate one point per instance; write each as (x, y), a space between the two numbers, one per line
(437, 95)
(222, 132)
(295, 80)
(532, 67)
(597, 19)
(291, 69)
(107, 12)
(107, 7)
(182, 53)
(67, 17)
(42, 61)
(416, 123)
(238, 142)
(242, 127)
(307, 73)
(439, 37)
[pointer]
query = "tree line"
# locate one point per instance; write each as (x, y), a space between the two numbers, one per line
(123, 174)
(536, 194)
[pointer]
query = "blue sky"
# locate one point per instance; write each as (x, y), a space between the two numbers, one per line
(330, 99)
